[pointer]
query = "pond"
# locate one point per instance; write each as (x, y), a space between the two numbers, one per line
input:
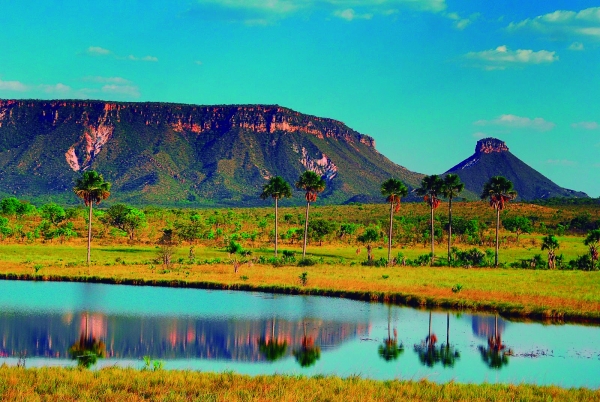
(98, 325)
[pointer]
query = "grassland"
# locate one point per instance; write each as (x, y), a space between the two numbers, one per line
(542, 294)
(59, 384)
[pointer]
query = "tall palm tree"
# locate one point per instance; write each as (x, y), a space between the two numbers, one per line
(431, 187)
(499, 190)
(451, 188)
(592, 241)
(91, 188)
(312, 184)
(393, 189)
(276, 188)
(551, 244)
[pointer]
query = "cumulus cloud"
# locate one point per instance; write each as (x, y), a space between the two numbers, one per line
(479, 135)
(57, 88)
(461, 23)
(517, 122)
(265, 12)
(15, 86)
(98, 51)
(349, 15)
(502, 57)
(127, 90)
(562, 24)
(107, 80)
(577, 46)
(586, 125)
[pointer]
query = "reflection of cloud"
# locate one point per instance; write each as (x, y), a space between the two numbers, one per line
(586, 125)
(502, 57)
(512, 121)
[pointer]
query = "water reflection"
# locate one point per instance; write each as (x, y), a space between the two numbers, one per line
(495, 353)
(390, 350)
(88, 348)
(430, 353)
(308, 354)
(272, 347)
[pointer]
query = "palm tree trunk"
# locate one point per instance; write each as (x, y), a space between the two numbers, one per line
(390, 233)
(432, 237)
(276, 231)
(305, 230)
(497, 230)
(89, 243)
(449, 230)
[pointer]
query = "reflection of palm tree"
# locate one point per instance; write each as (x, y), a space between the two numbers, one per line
(87, 349)
(308, 354)
(390, 350)
(448, 354)
(495, 355)
(272, 349)
(428, 353)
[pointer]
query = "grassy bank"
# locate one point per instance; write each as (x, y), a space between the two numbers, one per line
(564, 295)
(133, 385)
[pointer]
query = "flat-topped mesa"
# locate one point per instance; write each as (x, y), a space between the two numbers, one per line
(490, 145)
(195, 119)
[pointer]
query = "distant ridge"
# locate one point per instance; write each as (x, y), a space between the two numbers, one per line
(493, 158)
(176, 154)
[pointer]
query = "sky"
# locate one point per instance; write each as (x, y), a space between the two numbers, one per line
(425, 78)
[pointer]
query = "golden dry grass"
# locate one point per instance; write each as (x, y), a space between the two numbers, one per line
(60, 384)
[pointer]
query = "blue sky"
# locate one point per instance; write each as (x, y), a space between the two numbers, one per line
(425, 78)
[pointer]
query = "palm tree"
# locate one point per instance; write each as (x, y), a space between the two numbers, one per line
(91, 188)
(312, 184)
(499, 190)
(393, 189)
(551, 244)
(592, 240)
(451, 188)
(431, 187)
(276, 188)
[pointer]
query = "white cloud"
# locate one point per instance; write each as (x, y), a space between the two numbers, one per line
(349, 15)
(13, 86)
(461, 23)
(128, 90)
(577, 46)
(479, 135)
(586, 125)
(145, 58)
(198, 62)
(563, 24)
(265, 12)
(98, 51)
(561, 162)
(517, 122)
(502, 57)
(57, 88)
(107, 80)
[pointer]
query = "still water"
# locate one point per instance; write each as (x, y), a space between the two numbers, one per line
(52, 323)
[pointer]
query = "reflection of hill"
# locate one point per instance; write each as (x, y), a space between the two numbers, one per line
(50, 335)
(483, 326)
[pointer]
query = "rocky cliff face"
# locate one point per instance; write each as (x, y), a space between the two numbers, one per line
(490, 145)
(171, 153)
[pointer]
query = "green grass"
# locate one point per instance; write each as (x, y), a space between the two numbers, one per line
(62, 384)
